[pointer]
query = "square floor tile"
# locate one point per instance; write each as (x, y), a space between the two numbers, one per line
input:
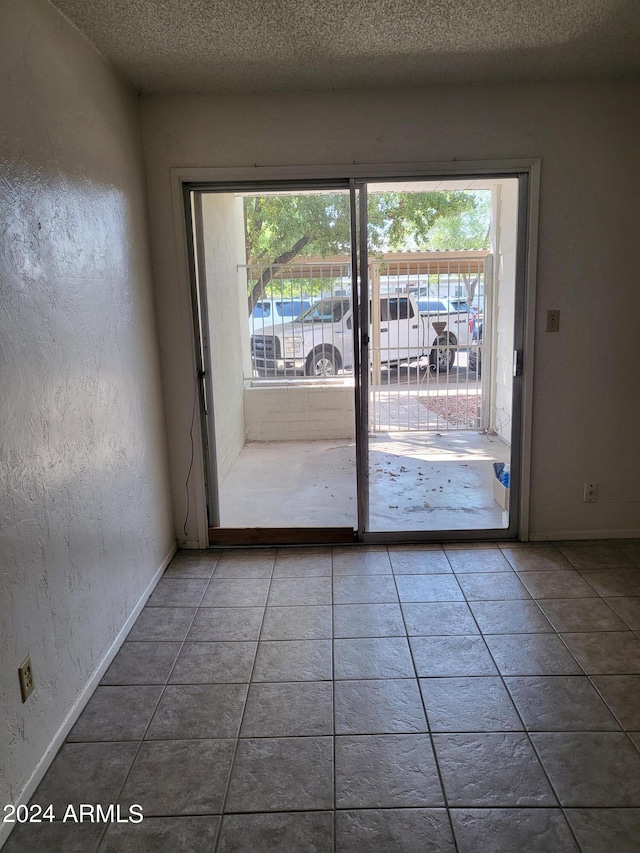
(419, 562)
(581, 614)
(211, 663)
(226, 623)
(439, 617)
(590, 768)
(361, 561)
(469, 704)
(178, 592)
(622, 695)
(451, 656)
(606, 830)
(179, 777)
(116, 714)
(284, 709)
(494, 769)
(309, 622)
(387, 657)
(595, 554)
(628, 609)
(531, 654)
(475, 560)
(246, 564)
(159, 834)
(303, 563)
(562, 703)
(536, 559)
(53, 837)
(494, 586)
(293, 660)
(301, 832)
(380, 589)
(508, 830)
(142, 663)
(286, 591)
(379, 707)
(386, 771)
(510, 617)
(184, 566)
(606, 653)
(157, 624)
(556, 584)
(393, 831)
(614, 582)
(236, 592)
(368, 620)
(428, 588)
(277, 774)
(187, 712)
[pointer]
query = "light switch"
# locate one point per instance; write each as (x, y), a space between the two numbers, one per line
(553, 321)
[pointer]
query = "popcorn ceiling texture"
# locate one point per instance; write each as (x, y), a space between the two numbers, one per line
(271, 45)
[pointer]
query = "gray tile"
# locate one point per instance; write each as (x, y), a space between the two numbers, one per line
(635, 737)
(304, 832)
(309, 622)
(361, 561)
(508, 830)
(211, 663)
(469, 704)
(142, 663)
(493, 769)
(285, 591)
(606, 830)
(556, 584)
(364, 590)
(386, 771)
(494, 586)
(178, 592)
(303, 563)
(477, 560)
(368, 620)
(590, 768)
(55, 837)
(607, 653)
(289, 709)
(510, 617)
(451, 656)
(293, 660)
(419, 562)
(155, 624)
(393, 831)
(179, 777)
(622, 695)
(439, 618)
(595, 554)
(536, 559)
(85, 773)
(163, 835)
(561, 703)
(191, 567)
(116, 714)
(277, 774)
(198, 711)
(236, 592)
(531, 654)
(628, 609)
(387, 657)
(249, 563)
(581, 614)
(226, 623)
(614, 582)
(428, 588)
(379, 707)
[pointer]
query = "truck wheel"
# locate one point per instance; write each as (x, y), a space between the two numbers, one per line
(323, 361)
(441, 357)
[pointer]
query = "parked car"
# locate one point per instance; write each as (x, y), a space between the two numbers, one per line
(273, 312)
(475, 352)
(460, 318)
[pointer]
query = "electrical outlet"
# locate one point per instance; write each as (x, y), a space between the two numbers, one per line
(590, 493)
(25, 674)
(553, 321)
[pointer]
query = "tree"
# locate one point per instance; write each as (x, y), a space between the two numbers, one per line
(278, 228)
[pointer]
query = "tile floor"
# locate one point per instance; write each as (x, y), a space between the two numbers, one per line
(368, 700)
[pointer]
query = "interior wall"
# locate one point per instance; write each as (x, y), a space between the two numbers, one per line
(584, 414)
(85, 502)
(224, 250)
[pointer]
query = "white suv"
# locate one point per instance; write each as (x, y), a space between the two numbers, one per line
(275, 312)
(460, 319)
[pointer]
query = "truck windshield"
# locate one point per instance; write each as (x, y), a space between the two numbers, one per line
(325, 311)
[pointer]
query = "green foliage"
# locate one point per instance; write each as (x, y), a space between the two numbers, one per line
(466, 230)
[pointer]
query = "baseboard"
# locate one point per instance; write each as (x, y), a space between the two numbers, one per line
(561, 535)
(79, 705)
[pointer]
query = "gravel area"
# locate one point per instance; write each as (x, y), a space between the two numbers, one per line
(460, 410)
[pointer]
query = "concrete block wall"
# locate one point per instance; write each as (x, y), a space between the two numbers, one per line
(301, 412)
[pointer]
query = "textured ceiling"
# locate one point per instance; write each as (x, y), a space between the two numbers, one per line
(279, 45)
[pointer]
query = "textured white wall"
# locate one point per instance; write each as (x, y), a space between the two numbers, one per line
(585, 411)
(84, 504)
(299, 412)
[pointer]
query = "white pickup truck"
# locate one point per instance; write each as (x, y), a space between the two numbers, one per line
(320, 341)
